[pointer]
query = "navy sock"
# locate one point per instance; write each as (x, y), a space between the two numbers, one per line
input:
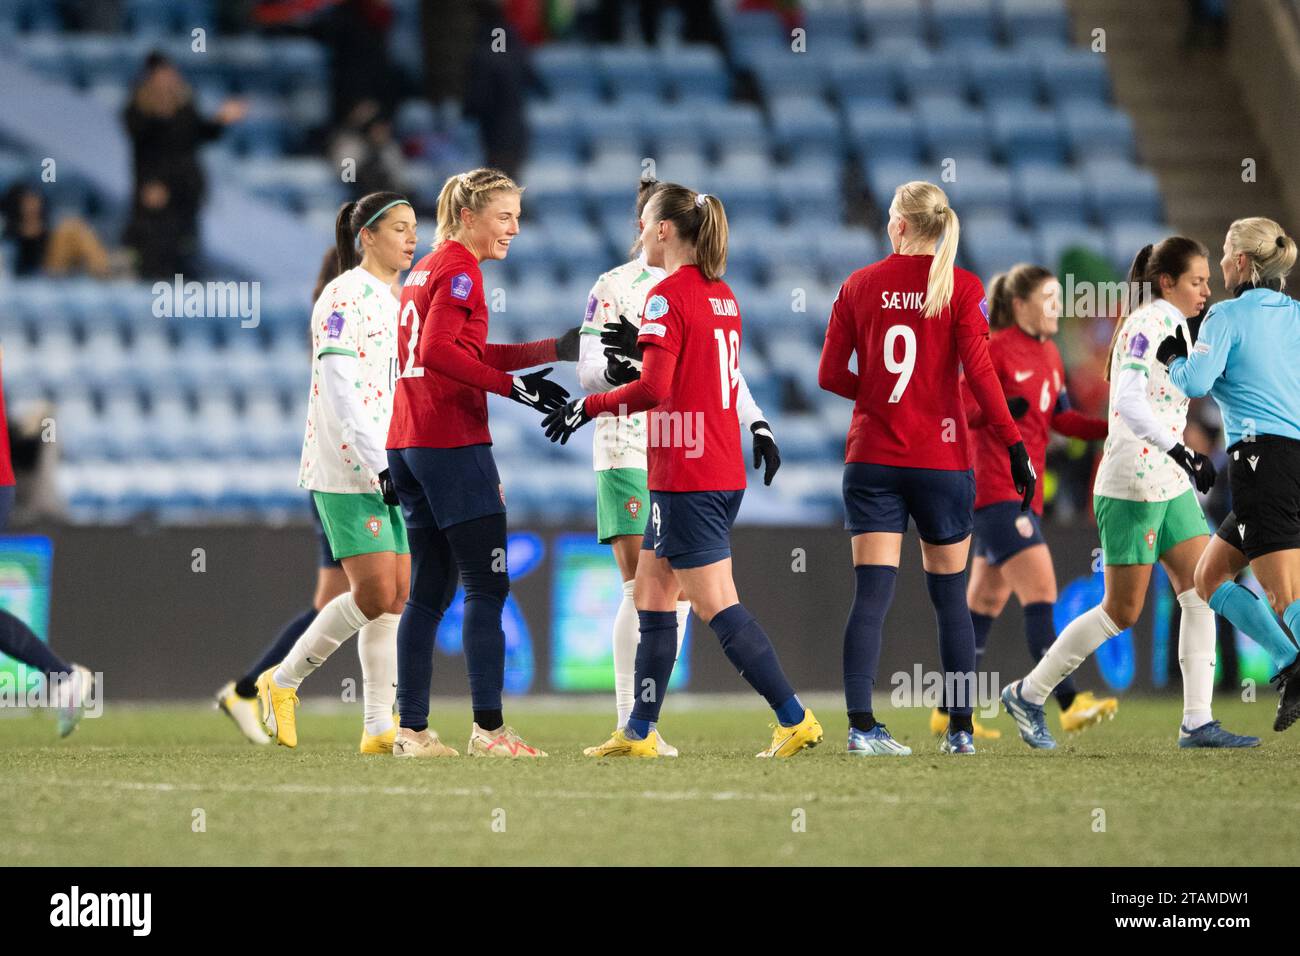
(433, 585)
(655, 656)
(863, 720)
(21, 643)
(956, 640)
(982, 624)
(1040, 634)
(862, 633)
(751, 652)
(246, 686)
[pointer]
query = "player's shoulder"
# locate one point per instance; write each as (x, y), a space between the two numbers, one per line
(343, 290)
(965, 282)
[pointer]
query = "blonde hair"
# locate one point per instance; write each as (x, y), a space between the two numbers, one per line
(473, 191)
(700, 220)
(1269, 250)
(925, 208)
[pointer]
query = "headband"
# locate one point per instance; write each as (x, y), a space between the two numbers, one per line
(395, 202)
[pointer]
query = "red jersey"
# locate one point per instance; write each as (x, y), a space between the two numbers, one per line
(6, 465)
(1031, 369)
(907, 398)
(690, 377)
(445, 366)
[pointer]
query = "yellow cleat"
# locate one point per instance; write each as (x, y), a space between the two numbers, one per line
(788, 741)
(939, 726)
(1087, 710)
(278, 704)
(379, 743)
(621, 745)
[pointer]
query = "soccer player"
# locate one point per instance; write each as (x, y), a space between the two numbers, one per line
(70, 686)
(690, 376)
(440, 457)
(238, 698)
(619, 445)
(1247, 356)
(914, 320)
(1146, 508)
(354, 329)
(1010, 552)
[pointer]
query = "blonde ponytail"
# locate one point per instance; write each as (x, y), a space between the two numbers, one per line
(1269, 250)
(925, 207)
(473, 191)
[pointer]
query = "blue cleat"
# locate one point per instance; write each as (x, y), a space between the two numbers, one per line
(876, 742)
(1030, 719)
(1213, 735)
(956, 742)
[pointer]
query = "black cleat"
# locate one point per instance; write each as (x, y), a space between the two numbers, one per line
(1288, 686)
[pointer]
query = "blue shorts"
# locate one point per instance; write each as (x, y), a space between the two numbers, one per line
(1002, 531)
(882, 497)
(691, 528)
(441, 487)
(327, 559)
(6, 500)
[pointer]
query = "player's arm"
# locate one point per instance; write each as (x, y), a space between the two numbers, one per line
(598, 371)
(657, 370)
(339, 374)
(833, 372)
(1196, 371)
(1074, 424)
(508, 358)
(766, 452)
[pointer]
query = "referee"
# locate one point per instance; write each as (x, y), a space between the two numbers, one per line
(1247, 356)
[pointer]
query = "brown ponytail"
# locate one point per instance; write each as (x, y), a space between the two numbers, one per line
(701, 221)
(1018, 282)
(1169, 257)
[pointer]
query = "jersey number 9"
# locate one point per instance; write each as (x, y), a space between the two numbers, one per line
(903, 369)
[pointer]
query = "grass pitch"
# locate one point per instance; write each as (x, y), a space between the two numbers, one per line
(176, 785)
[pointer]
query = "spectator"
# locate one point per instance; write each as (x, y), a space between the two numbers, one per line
(495, 89)
(69, 246)
(367, 140)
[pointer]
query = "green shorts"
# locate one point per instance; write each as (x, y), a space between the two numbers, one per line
(1139, 532)
(360, 524)
(622, 502)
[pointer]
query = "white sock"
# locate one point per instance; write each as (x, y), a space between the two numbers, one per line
(1196, 644)
(627, 635)
(377, 648)
(336, 622)
(683, 615)
(1081, 637)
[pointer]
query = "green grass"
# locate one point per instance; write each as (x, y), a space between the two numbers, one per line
(124, 790)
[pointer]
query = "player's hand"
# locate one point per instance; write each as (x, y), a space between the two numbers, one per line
(765, 451)
(1174, 346)
(618, 370)
(1200, 468)
(566, 346)
(1023, 474)
(565, 420)
(1018, 405)
(387, 489)
(537, 391)
(621, 336)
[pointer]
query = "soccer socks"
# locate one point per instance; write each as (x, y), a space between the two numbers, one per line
(751, 652)
(1081, 637)
(982, 624)
(1250, 614)
(246, 686)
(336, 622)
(862, 636)
(21, 643)
(626, 635)
(1292, 617)
(1196, 644)
(956, 640)
(656, 653)
(377, 648)
(1040, 632)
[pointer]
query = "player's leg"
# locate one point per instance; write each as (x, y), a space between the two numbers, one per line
(377, 649)
(1279, 574)
(986, 594)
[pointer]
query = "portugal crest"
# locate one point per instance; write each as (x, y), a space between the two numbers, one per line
(633, 506)
(373, 525)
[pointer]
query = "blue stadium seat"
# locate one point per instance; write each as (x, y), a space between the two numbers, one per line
(994, 244)
(1029, 136)
(884, 133)
(998, 77)
(1119, 191)
(804, 122)
(861, 80)
(952, 127)
(698, 70)
(568, 68)
(1051, 194)
(923, 73)
(811, 190)
(1073, 75)
(1035, 23)
(898, 20)
(1125, 239)
(980, 188)
(1094, 130)
(845, 249)
(785, 73)
(1057, 238)
(964, 23)
(733, 126)
(633, 69)
(884, 176)
(829, 25)
(611, 125)
(554, 130)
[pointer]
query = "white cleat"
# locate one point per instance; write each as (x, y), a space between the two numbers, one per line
(73, 692)
(666, 749)
(244, 712)
(409, 744)
(502, 742)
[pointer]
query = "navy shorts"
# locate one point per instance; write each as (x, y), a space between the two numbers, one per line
(882, 497)
(327, 559)
(441, 487)
(691, 528)
(1002, 531)
(6, 501)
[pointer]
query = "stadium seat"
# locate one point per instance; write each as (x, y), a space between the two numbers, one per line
(964, 23)
(897, 20)
(1035, 23)
(698, 70)
(1094, 130)
(979, 188)
(862, 80)
(1126, 238)
(1073, 75)
(998, 77)
(1057, 238)
(566, 69)
(952, 128)
(1029, 136)
(994, 244)
(1050, 194)
(1122, 192)
(884, 133)
(804, 122)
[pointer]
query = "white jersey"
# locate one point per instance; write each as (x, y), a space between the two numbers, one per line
(1131, 468)
(356, 315)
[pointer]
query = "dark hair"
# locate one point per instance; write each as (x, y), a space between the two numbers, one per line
(352, 218)
(11, 208)
(646, 188)
(1168, 257)
(329, 271)
(1018, 282)
(700, 220)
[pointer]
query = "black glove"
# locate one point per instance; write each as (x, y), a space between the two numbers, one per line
(618, 370)
(765, 450)
(1174, 346)
(386, 488)
(1018, 406)
(566, 346)
(1195, 464)
(621, 336)
(1023, 474)
(565, 420)
(537, 391)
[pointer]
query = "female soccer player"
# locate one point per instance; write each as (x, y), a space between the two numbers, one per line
(690, 375)
(1010, 551)
(354, 328)
(619, 445)
(913, 319)
(440, 457)
(1248, 357)
(1146, 509)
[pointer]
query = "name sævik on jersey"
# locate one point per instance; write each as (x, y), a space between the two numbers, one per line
(694, 434)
